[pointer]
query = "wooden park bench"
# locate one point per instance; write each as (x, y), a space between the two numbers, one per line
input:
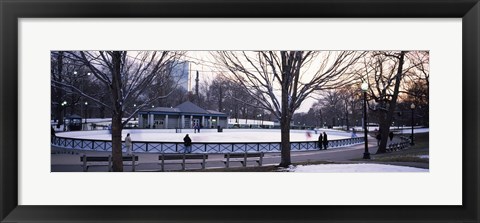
(182, 159)
(243, 158)
(88, 161)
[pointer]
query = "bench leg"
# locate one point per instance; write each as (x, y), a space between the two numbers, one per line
(133, 163)
(183, 164)
(228, 160)
(261, 159)
(109, 163)
(163, 164)
(85, 168)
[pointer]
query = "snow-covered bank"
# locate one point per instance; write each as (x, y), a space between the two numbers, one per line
(353, 168)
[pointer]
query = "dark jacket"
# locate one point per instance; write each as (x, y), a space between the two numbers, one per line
(187, 141)
(320, 139)
(325, 140)
(52, 131)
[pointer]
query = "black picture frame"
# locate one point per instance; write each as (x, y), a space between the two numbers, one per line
(11, 11)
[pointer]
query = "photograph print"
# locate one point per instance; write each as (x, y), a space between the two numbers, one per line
(240, 111)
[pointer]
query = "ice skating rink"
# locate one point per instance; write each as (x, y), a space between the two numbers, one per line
(208, 135)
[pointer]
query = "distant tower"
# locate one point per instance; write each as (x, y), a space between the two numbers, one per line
(196, 86)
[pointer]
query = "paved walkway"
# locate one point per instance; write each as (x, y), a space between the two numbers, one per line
(149, 161)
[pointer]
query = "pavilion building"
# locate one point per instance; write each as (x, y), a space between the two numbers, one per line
(183, 116)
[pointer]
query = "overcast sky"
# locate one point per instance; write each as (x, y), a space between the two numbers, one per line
(205, 64)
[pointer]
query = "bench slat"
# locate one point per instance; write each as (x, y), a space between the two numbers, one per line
(182, 159)
(180, 156)
(243, 158)
(105, 158)
(89, 159)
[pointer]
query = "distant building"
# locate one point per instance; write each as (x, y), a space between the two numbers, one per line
(180, 72)
(185, 115)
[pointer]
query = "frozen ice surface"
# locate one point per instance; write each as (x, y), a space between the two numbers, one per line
(207, 135)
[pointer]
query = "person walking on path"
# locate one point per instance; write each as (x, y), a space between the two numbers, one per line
(354, 133)
(188, 144)
(128, 144)
(52, 132)
(325, 140)
(198, 128)
(391, 136)
(320, 141)
(194, 128)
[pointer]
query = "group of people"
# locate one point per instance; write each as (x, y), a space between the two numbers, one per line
(196, 128)
(379, 137)
(322, 141)
(187, 141)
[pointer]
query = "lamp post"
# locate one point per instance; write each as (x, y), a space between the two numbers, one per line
(366, 154)
(134, 108)
(412, 106)
(64, 105)
(86, 112)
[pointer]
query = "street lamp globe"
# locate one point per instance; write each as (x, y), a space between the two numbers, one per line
(86, 103)
(364, 86)
(412, 106)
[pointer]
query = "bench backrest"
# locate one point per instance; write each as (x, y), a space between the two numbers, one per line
(104, 158)
(180, 156)
(242, 155)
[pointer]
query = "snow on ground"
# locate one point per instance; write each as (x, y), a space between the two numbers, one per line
(353, 168)
(207, 135)
(403, 130)
(420, 130)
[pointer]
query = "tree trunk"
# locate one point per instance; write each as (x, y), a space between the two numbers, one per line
(59, 92)
(387, 121)
(285, 142)
(346, 116)
(117, 113)
(117, 143)
(59, 114)
(384, 130)
(286, 117)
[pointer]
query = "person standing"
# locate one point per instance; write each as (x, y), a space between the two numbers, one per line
(320, 141)
(325, 140)
(354, 133)
(188, 144)
(194, 128)
(128, 144)
(379, 137)
(391, 136)
(52, 133)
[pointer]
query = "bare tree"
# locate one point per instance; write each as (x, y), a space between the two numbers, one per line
(386, 73)
(127, 76)
(279, 81)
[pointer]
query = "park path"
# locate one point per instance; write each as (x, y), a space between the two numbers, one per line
(149, 161)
